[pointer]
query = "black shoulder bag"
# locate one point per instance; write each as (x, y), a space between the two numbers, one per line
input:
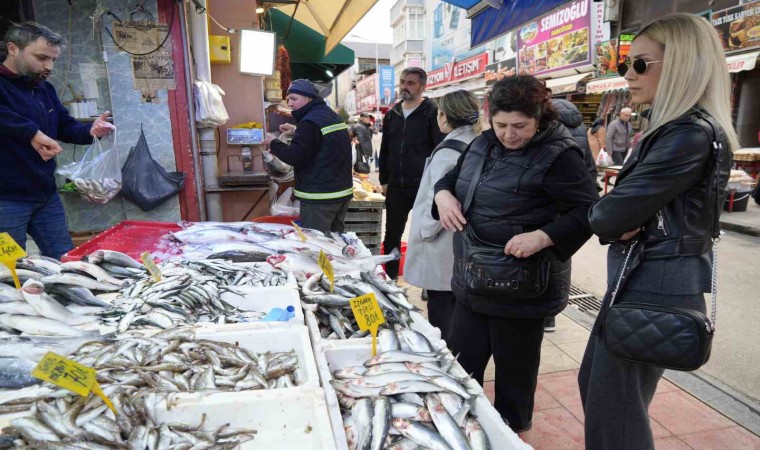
(669, 337)
(488, 271)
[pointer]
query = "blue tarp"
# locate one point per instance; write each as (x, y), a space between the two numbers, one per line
(466, 4)
(492, 22)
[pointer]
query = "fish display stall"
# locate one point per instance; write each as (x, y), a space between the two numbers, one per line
(229, 335)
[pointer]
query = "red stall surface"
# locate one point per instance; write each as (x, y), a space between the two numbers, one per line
(130, 236)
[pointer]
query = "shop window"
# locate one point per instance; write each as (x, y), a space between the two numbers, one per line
(416, 20)
(399, 34)
(13, 11)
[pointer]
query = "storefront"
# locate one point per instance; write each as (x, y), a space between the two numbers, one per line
(466, 74)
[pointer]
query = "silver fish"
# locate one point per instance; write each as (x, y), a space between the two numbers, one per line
(114, 257)
(476, 435)
(41, 326)
(45, 306)
(411, 411)
(381, 422)
(421, 434)
(362, 415)
(78, 280)
(16, 373)
(445, 424)
(93, 270)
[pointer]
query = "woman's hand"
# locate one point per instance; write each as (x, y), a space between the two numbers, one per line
(450, 211)
(527, 244)
(629, 235)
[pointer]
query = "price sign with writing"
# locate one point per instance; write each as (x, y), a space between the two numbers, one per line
(299, 231)
(368, 316)
(153, 269)
(70, 375)
(327, 268)
(10, 251)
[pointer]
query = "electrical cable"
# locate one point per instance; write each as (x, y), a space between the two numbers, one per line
(168, 33)
(229, 30)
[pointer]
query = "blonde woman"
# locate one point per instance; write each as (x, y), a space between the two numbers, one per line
(662, 212)
(430, 257)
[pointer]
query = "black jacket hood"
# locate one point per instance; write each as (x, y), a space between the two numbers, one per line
(569, 115)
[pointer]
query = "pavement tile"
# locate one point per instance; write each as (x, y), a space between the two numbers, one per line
(555, 428)
(544, 400)
(548, 376)
(658, 431)
(555, 360)
(567, 332)
(574, 350)
(564, 389)
(577, 411)
(738, 437)
(681, 413)
(666, 386)
(670, 443)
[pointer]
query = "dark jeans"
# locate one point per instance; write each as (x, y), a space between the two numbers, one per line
(324, 216)
(618, 158)
(398, 203)
(516, 348)
(441, 311)
(44, 221)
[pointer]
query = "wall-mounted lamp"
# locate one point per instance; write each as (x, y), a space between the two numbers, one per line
(257, 52)
(259, 10)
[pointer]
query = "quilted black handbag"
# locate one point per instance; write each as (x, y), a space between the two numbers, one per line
(668, 337)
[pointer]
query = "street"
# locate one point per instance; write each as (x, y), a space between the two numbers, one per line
(736, 348)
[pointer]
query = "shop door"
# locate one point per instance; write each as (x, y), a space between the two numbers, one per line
(748, 117)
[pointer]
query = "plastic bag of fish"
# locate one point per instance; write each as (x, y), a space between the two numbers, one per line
(407, 397)
(98, 175)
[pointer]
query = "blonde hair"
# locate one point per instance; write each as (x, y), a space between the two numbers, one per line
(461, 108)
(693, 73)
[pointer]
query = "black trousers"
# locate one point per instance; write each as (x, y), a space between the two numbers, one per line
(516, 348)
(398, 203)
(441, 311)
(324, 216)
(618, 158)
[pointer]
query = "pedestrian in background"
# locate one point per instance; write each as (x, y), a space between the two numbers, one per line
(665, 205)
(597, 137)
(410, 133)
(320, 154)
(363, 134)
(32, 118)
(530, 207)
(430, 256)
(619, 135)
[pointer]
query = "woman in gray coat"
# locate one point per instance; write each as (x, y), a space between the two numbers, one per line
(429, 257)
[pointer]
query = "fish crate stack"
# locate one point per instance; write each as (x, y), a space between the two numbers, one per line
(365, 218)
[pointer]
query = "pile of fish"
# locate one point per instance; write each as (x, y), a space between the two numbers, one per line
(175, 361)
(188, 292)
(74, 422)
(333, 310)
(406, 397)
(99, 191)
(32, 311)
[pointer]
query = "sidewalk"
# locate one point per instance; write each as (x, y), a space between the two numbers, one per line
(679, 420)
(745, 222)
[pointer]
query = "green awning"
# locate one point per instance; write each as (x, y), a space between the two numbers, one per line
(306, 48)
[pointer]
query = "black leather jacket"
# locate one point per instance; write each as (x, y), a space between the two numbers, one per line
(670, 187)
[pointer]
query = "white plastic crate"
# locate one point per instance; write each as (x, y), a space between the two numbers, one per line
(336, 356)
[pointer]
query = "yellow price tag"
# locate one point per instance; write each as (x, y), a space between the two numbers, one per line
(327, 268)
(153, 269)
(70, 375)
(299, 230)
(10, 251)
(368, 315)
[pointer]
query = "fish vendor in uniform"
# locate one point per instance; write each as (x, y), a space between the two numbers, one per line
(32, 118)
(320, 154)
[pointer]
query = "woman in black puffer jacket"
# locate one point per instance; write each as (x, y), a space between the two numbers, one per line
(531, 201)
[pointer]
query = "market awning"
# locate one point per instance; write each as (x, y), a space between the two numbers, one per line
(606, 84)
(306, 48)
(334, 19)
(739, 63)
(565, 85)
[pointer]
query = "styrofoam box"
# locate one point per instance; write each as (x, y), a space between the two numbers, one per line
(340, 354)
(283, 418)
(260, 340)
(264, 299)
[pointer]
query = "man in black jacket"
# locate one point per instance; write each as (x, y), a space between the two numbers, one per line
(410, 133)
(363, 133)
(572, 119)
(320, 154)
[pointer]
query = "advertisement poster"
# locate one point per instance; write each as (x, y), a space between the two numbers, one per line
(555, 41)
(366, 95)
(451, 35)
(611, 53)
(738, 27)
(387, 86)
(458, 71)
(504, 50)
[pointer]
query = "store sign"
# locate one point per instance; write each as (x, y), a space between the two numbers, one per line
(611, 53)
(738, 27)
(504, 50)
(387, 86)
(502, 69)
(556, 41)
(738, 63)
(451, 36)
(458, 71)
(366, 94)
(610, 84)
(350, 102)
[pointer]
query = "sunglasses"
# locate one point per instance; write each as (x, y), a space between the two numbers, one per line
(639, 66)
